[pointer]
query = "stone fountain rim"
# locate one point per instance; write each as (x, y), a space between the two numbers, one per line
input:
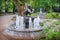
(24, 30)
(18, 37)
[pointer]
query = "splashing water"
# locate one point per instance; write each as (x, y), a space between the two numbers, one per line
(21, 22)
(17, 22)
(40, 10)
(36, 23)
(30, 23)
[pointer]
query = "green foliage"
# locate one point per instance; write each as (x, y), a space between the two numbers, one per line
(41, 24)
(2, 5)
(57, 23)
(52, 32)
(52, 15)
(48, 15)
(45, 4)
(55, 15)
(9, 5)
(52, 35)
(58, 17)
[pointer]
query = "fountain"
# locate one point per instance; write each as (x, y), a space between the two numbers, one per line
(41, 14)
(25, 28)
(40, 10)
(19, 30)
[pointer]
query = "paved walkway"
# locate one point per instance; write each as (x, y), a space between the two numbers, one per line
(4, 22)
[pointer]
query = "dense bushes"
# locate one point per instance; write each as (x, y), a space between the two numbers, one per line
(6, 5)
(51, 35)
(45, 4)
(9, 5)
(52, 32)
(2, 6)
(52, 15)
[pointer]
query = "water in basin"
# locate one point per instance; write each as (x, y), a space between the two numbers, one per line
(20, 25)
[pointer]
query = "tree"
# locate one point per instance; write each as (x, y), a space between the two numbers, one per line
(19, 6)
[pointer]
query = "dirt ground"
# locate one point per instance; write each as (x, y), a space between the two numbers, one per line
(4, 22)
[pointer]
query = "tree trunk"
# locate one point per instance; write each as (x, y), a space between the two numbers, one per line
(19, 7)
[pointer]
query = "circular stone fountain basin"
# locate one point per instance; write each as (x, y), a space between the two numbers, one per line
(26, 34)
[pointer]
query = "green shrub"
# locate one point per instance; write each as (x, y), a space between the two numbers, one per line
(9, 5)
(48, 15)
(57, 23)
(51, 35)
(41, 24)
(52, 15)
(57, 17)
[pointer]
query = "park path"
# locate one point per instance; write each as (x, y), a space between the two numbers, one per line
(4, 22)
